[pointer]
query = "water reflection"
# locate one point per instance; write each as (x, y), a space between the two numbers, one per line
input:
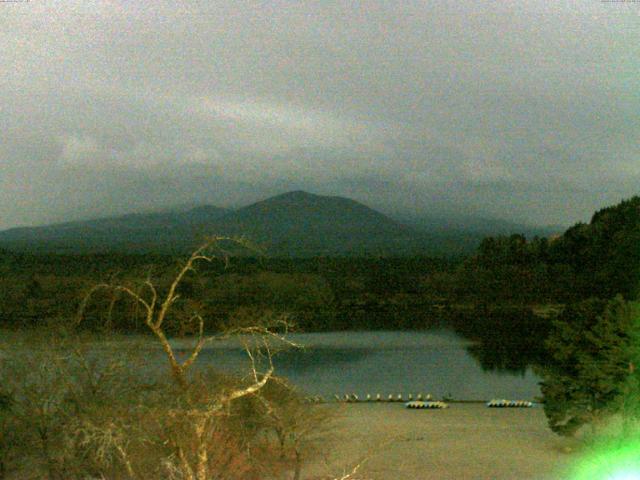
(500, 358)
(505, 340)
(311, 360)
(439, 362)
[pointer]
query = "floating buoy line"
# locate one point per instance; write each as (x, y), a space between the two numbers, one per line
(420, 404)
(420, 401)
(502, 403)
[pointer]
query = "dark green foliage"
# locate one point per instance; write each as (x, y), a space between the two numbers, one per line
(318, 293)
(592, 348)
(509, 274)
(5, 401)
(599, 259)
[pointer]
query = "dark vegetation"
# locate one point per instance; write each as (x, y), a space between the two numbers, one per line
(600, 259)
(591, 369)
(559, 303)
(76, 405)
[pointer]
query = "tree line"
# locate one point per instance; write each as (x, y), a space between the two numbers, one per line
(569, 300)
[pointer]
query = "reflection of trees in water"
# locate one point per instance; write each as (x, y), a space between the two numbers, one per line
(502, 358)
(301, 360)
(507, 339)
(310, 359)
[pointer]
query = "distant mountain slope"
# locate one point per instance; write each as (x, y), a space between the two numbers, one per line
(301, 223)
(136, 232)
(295, 223)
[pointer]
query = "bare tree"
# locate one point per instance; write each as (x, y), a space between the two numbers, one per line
(156, 309)
(193, 462)
(82, 409)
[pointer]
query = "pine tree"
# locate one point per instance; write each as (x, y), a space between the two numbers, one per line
(591, 365)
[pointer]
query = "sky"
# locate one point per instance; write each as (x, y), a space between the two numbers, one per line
(522, 110)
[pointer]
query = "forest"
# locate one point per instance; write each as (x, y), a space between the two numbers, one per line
(600, 259)
(559, 305)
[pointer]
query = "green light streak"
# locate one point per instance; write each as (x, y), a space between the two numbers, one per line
(616, 461)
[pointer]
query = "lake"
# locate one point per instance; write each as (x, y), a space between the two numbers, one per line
(387, 362)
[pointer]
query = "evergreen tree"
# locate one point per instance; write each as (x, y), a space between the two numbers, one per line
(592, 360)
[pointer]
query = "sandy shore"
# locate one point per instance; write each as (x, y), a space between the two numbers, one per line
(465, 441)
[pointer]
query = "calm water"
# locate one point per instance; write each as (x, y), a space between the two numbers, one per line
(435, 362)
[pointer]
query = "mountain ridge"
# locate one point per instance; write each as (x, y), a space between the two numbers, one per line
(296, 223)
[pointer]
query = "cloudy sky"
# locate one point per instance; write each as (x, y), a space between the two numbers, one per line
(524, 110)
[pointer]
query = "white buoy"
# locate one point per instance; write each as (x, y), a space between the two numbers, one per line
(499, 403)
(427, 405)
(378, 397)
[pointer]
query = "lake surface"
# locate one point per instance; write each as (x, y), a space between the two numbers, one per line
(435, 362)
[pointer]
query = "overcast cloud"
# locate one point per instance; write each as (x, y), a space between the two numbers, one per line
(527, 111)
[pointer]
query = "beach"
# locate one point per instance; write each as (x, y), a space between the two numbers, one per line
(464, 441)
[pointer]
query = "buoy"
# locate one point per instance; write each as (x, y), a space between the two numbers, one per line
(502, 403)
(428, 405)
(378, 397)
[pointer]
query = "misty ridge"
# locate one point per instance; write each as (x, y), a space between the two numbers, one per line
(296, 223)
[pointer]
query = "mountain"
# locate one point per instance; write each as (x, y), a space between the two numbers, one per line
(295, 223)
(301, 223)
(135, 232)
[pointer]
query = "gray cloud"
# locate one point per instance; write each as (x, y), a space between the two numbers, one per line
(526, 111)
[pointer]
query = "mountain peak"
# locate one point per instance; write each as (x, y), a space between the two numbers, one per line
(295, 223)
(295, 195)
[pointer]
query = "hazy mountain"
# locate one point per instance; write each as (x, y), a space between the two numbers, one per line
(295, 223)
(304, 224)
(135, 232)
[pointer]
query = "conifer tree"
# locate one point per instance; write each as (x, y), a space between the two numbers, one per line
(593, 354)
